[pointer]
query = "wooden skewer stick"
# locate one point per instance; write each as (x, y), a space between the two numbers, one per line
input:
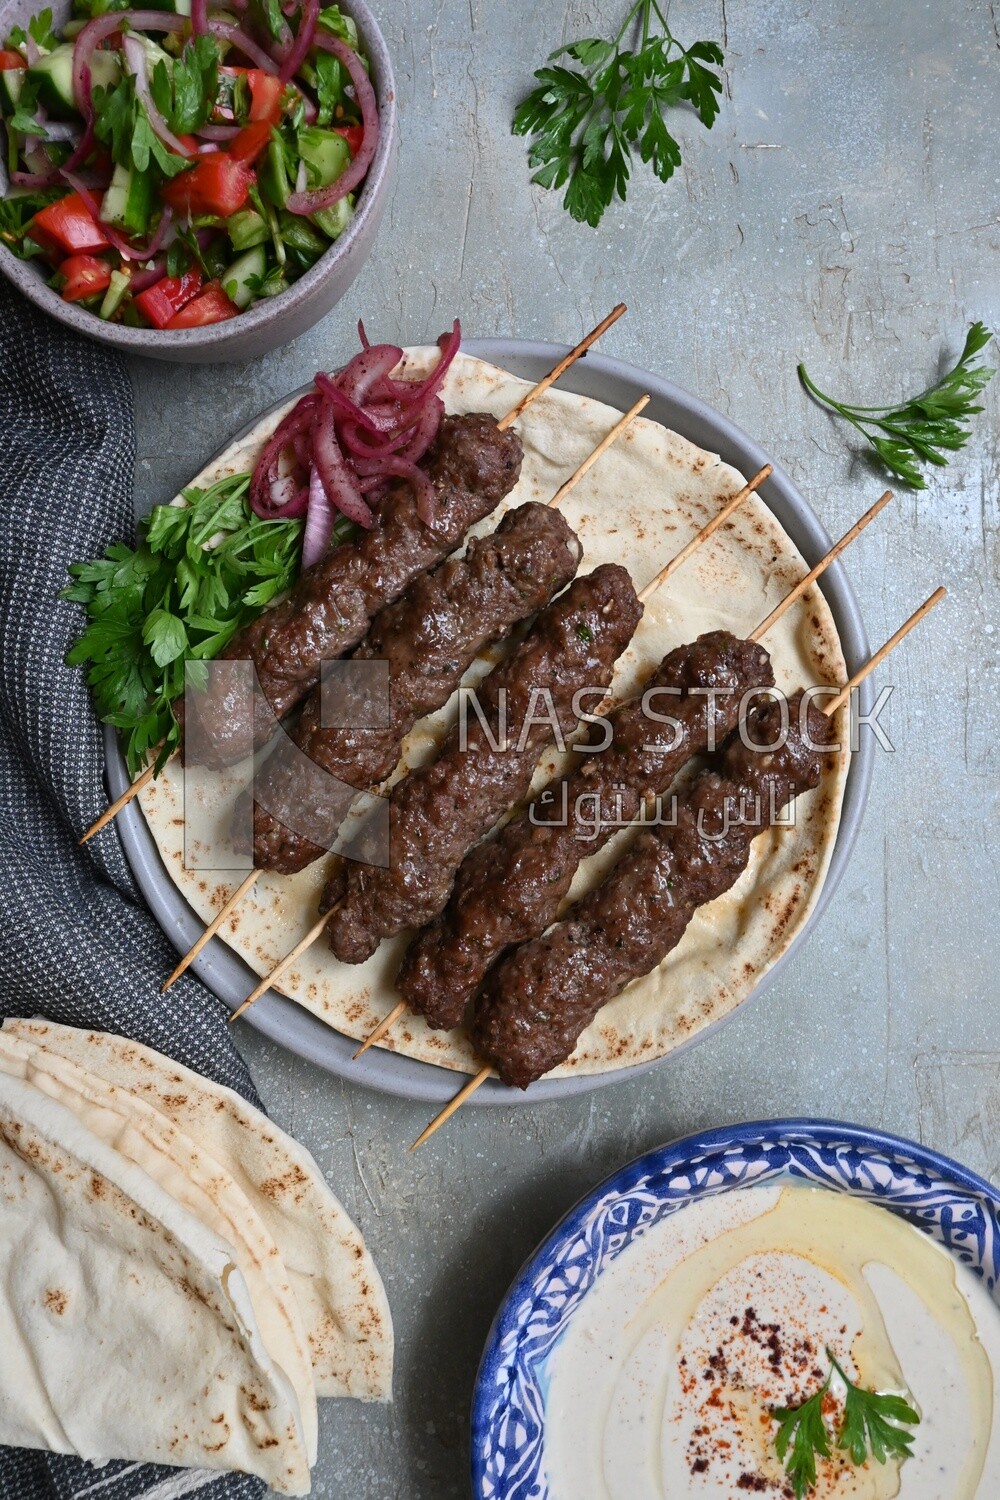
(706, 531)
(883, 651)
(212, 928)
(661, 577)
(386, 1024)
(505, 422)
(562, 366)
(602, 447)
(821, 567)
(119, 802)
(284, 965)
(830, 709)
(453, 1105)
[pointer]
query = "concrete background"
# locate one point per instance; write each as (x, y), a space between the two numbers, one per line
(844, 210)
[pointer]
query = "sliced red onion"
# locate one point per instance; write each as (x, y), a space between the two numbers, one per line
(135, 56)
(319, 522)
(304, 38)
(402, 468)
(425, 431)
(149, 276)
(199, 17)
(37, 179)
(239, 39)
(41, 173)
(360, 378)
(351, 408)
(449, 344)
(218, 132)
(354, 172)
(298, 420)
(60, 130)
(338, 481)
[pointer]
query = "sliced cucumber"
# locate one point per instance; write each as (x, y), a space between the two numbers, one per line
(244, 275)
(11, 84)
(54, 75)
(246, 229)
(334, 220)
(325, 153)
(117, 287)
(128, 202)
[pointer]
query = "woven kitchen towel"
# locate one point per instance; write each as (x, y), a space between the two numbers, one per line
(77, 943)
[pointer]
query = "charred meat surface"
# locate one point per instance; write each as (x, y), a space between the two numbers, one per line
(440, 811)
(510, 888)
(427, 638)
(473, 466)
(538, 1001)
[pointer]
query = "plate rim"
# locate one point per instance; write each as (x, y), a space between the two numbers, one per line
(673, 1154)
(282, 1020)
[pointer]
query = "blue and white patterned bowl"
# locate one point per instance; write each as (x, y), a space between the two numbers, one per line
(944, 1199)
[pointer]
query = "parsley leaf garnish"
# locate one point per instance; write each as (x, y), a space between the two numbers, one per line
(39, 29)
(172, 600)
(122, 124)
(23, 118)
(873, 1424)
(588, 120)
(186, 94)
(927, 427)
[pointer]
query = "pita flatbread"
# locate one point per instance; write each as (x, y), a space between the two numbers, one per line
(126, 1325)
(188, 1174)
(638, 506)
(336, 1285)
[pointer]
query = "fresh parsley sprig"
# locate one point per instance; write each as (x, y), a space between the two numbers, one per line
(587, 120)
(927, 427)
(173, 599)
(873, 1424)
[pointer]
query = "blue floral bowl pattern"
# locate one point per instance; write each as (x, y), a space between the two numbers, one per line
(940, 1197)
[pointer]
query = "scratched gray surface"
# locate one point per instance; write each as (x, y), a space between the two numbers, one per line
(844, 210)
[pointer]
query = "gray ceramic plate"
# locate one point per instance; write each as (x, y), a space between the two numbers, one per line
(228, 977)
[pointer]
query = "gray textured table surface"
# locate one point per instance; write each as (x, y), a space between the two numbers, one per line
(844, 210)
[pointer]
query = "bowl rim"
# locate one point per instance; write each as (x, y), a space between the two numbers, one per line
(26, 277)
(672, 1156)
(284, 1021)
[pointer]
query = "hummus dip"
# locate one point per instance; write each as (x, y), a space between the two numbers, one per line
(665, 1382)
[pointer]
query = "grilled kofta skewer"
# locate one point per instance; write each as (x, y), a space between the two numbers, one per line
(441, 810)
(428, 639)
(472, 466)
(537, 1002)
(509, 889)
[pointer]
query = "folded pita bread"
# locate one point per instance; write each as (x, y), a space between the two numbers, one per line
(646, 497)
(127, 1329)
(185, 1171)
(339, 1292)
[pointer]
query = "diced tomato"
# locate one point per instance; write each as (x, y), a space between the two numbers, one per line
(84, 276)
(251, 142)
(213, 306)
(353, 135)
(266, 93)
(216, 185)
(164, 299)
(190, 144)
(68, 225)
(10, 60)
